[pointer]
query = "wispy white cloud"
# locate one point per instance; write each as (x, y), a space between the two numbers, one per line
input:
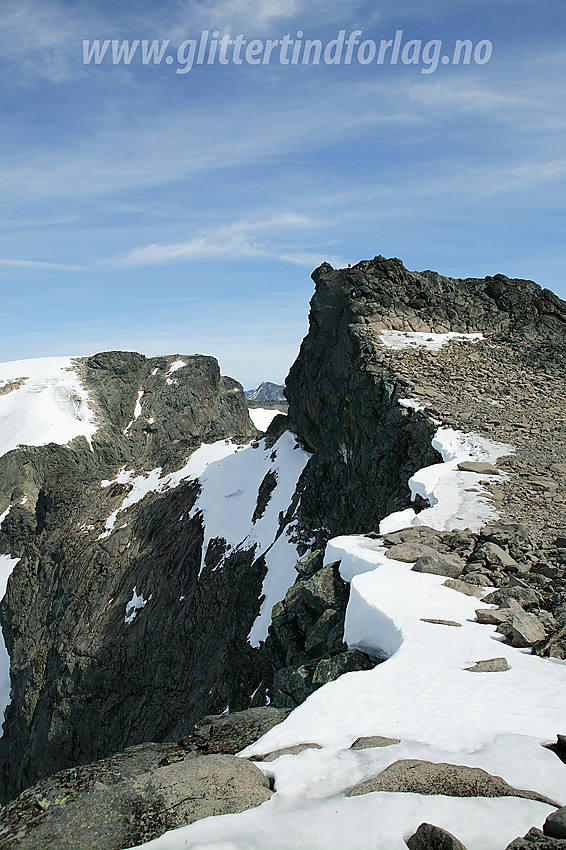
(239, 14)
(40, 38)
(118, 154)
(38, 264)
(243, 238)
(259, 16)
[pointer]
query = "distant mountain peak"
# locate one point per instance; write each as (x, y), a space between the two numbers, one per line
(267, 391)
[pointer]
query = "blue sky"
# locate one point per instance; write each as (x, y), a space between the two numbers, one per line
(144, 209)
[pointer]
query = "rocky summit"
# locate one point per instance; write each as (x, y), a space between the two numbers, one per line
(188, 597)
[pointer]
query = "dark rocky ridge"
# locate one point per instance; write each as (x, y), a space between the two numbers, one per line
(344, 387)
(85, 683)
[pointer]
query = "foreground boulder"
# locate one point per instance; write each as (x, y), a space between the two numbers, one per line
(129, 799)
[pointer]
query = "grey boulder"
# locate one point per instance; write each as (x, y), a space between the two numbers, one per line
(478, 466)
(371, 741)
(112, 815)
(409, 552)
(440, 564)
(463, 587)
(430, 837)
(527, 630)
(453, 780)
(490, 665)
(494, 555)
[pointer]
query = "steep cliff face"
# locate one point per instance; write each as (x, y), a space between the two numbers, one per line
(112, 637)
(344, 388)
(343, 404)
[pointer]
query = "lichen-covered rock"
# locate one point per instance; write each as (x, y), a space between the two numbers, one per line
(101, 807)
(292, 685)
(310, 563)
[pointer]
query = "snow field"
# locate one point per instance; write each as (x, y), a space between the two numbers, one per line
(262, 418)
(49, 406)
(422, 695)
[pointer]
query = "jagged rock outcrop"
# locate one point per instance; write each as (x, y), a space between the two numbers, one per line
(86, 679)
(344, 392)
(344, 388)
(304, 648)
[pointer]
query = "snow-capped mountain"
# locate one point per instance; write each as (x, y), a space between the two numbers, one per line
(266, 391)
(413, 655)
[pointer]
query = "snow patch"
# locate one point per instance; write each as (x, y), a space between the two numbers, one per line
(136, 603)
(137, 412)
(412, 403)
(174, 367)
(398, 340)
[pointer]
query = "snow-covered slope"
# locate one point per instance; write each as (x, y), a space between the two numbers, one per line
(423, 696)
(42, 401)
(230, 477)
(262, 418)
(228, 503)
